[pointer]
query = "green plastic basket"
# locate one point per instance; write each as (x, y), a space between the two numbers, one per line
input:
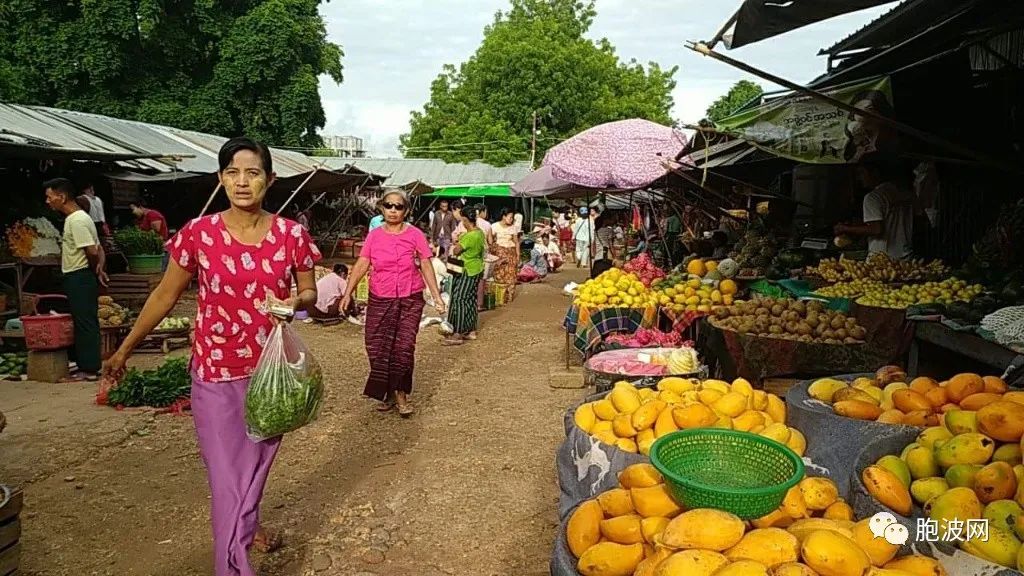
(738, 472)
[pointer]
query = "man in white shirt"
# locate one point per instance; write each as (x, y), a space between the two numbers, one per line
(888, 210)
(99, 217)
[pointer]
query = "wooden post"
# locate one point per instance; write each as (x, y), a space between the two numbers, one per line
(296, 191)
(210, 200)
(701, 48)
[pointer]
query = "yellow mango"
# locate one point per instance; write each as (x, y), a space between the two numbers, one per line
(654, 501)
(647, 566)
(584, 527)
(705, 529)
(724, 422)
(743, 568)
(794, 505)
(731, 404)
(759, 400)
(665, 423)
(676, 384)
(709, 396)
(647, 415)
(769, 546)
(878, 550)
(642, 475)
(797, 442)
(996, 481)
(605, 410)
(839, 510)
(645, 394)
(854, 394)
(691, 397)
(792, 569)
(719, 385)
(818, 493)
(777, 431)
(917, 565)
(876, 571)
(1002, 420)
(774, 519)
(957, 503)
(653, 527)
(669, 397)
(933, 435)
(831, 554)
(606, 437)
(610, 559)
(644, 440)
(694, 416)
(616, 502)
(622, 529)
(585, 417)
(966, 448)
(824, 388)
(691, 563)
(627, 445)
(622, 425)
(742, 386)
(747, 420)
(624, 397)
(888, 489)
(806, 526)
(601, 426)
(776, 408)
(1001, 547)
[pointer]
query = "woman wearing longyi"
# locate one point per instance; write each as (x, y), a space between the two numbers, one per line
(242, 259)
(399, 256)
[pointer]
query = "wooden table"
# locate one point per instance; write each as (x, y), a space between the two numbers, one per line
(952, 343)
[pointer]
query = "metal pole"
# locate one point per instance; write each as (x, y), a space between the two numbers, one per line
(897, 125)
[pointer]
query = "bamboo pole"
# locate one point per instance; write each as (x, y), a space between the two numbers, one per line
(300, 187)
(702, 48)
(210, 199)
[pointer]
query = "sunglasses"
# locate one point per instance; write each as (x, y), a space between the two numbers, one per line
(390, 206)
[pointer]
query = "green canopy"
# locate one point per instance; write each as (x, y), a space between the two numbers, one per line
(472, 191)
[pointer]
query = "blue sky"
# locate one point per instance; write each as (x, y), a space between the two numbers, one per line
(395, 48)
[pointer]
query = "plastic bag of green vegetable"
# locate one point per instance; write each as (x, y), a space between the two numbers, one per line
(286, 388)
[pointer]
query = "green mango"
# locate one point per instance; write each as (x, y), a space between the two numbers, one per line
(897, 466)
(961, 421)
(908, 448)
(956, 503)
(924, 489)
(933, 435)
(1001, 547)
(1009, 453)
(1003, 514)
(968, 448)
(921, 462)
(962, 475)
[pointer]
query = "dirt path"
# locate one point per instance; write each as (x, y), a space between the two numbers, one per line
(467, 486)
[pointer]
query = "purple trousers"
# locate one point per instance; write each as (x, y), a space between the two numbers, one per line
(236, 468)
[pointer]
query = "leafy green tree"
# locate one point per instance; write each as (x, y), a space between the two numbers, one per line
(227, 67)
(534, 58)
(741, 93)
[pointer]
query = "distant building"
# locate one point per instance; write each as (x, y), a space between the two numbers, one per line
(345, 146)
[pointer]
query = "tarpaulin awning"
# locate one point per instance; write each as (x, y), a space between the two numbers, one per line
(761, 19)
(481, 191)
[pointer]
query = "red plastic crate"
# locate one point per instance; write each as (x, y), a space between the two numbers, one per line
(48, 331)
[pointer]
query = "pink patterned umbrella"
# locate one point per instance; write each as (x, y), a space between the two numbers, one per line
(624, 154)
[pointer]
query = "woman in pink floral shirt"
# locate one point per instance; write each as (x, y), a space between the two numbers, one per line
(242, 259)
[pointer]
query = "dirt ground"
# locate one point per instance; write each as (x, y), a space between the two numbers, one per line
(466, 486)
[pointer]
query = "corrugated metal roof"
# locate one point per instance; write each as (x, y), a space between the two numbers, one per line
(434, 172)
(133, 144)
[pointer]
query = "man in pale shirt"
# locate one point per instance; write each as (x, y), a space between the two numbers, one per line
(329, 291)
(96, 212)
(888, 222)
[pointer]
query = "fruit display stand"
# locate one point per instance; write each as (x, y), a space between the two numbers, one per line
(835, 440)
(586, 326)
(938, 341)
(889, 329)
(603, 381)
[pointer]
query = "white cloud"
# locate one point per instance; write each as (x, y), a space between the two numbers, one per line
(395, 49)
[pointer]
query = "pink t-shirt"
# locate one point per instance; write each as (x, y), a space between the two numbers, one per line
(234, 279)
(329, 290)
(392, 257)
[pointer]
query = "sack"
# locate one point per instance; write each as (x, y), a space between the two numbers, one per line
(455, 265)
(286, 389)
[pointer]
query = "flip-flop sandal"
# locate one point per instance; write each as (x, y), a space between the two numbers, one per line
(75, 378)
(385, 406)
(451, 342)
(406, 410)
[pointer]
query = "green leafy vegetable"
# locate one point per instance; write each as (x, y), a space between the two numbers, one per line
(283, 395)
(135, 242)
(157, 388)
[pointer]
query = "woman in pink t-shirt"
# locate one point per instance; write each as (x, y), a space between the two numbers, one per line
(399, 256)
(241, 259)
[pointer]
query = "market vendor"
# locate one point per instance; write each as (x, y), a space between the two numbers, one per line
(329, 291)
(148, 219)
(96, 212)
(82, 262)
(888, 209)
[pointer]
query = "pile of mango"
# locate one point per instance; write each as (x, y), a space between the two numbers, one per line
(693, 295)
(633, 418)
(638, 529)
(887, 398)
(968, 469)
